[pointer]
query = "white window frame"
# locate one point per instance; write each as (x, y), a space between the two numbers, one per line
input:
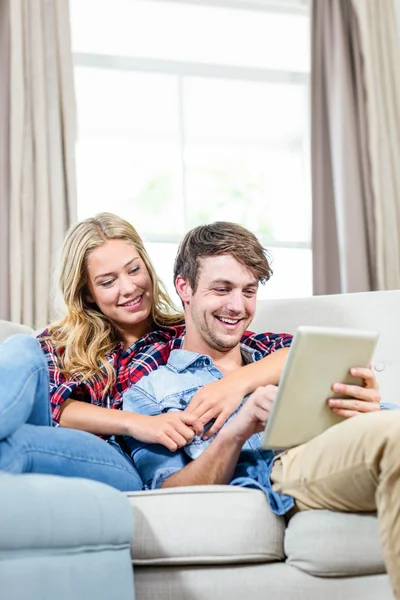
(180, 69)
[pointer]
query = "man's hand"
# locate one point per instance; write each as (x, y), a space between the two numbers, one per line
(172, 430)
(219, 400)
(363, 398)
(216, 400)
(253, 417)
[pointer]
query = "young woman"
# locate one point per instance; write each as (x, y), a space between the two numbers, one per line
(120, 324)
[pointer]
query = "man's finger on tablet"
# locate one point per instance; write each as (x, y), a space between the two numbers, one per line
(367, 374)
(362, 393)
(359, 406)
(345, 413)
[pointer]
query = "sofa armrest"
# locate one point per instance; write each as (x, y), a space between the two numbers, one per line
(7, 328)
(64, 538)
(45, 512)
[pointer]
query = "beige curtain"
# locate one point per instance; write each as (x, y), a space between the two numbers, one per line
(343, 221)
(4, 162)
(381, 54)
(355, 100)
(42, 144)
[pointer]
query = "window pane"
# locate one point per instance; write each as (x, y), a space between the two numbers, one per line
(249, 185)
(244, 157)
(292, 276)
(138, 181)
(193, 33)
(243, 110)
(128, 154)
(129, 104)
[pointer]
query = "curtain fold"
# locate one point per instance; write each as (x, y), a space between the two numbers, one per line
(4, 160)
(355, 146)
(343, 229)
(42, 146)
(381, 53)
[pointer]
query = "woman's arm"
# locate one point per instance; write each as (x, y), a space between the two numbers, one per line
(76, 414)
(173, 430)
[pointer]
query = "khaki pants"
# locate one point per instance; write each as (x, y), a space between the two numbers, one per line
(353, 467)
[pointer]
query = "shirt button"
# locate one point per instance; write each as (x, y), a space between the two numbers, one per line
(207, 362)
(379, 367)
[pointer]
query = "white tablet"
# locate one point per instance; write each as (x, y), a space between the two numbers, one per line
(318, 357)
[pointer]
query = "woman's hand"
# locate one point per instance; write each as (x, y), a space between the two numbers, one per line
(363, 399)
(172, 430)
(216, 400)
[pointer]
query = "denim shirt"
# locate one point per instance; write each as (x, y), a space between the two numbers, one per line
(170, 388)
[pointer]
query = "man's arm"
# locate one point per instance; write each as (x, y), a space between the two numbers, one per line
(215, 466)
(217, 463)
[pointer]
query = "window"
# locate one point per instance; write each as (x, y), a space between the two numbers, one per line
(195, 111)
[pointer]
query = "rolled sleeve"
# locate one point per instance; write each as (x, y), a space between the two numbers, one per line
(162, 475)
(59, 394)
(154, 462)
(389, 406)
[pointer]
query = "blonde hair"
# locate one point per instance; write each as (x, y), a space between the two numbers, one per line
(85, 335)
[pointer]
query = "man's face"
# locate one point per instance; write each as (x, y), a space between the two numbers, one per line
(224, 303)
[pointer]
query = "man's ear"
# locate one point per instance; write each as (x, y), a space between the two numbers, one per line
(183, 289)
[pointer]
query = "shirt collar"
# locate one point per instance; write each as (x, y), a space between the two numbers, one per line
(163, 334)
(180, 360)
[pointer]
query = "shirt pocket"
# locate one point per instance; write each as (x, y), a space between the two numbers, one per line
(178, 400)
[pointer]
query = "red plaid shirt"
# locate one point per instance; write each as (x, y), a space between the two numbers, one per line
(144, 356)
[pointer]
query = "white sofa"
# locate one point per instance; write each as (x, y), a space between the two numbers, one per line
(220, 542)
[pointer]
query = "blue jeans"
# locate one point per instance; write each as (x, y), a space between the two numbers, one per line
(29, 443)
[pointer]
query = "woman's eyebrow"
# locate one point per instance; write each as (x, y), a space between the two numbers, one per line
(124, 267)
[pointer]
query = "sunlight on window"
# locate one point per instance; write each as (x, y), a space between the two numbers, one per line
(169, 148)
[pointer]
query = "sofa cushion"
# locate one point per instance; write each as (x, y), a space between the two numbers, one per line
(364, 310)
(204, 525)
(328, 544)
(7, 328)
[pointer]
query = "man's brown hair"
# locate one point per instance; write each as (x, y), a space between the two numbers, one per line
(216, 239)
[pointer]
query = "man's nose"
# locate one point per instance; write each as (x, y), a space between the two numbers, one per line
(236, 301)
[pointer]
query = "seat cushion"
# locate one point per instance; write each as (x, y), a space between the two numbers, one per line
(328, 544)
(204, 525)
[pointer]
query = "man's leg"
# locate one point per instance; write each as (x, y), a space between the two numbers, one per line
(67, 452)
(355, 467)
(24, 384)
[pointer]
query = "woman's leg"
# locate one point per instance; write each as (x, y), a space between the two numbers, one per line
(67, 452)
(24, 384)
(29, 445)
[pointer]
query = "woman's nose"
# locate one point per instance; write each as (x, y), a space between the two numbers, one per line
(127, 286)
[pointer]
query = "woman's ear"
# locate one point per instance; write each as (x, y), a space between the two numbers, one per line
(183, 289)
(89, 298)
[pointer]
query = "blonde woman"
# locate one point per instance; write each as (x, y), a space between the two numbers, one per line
(120, 324)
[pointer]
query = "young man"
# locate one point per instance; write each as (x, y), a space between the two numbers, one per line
(353, 466)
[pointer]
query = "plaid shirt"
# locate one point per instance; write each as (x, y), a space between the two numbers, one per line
(143, 357)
